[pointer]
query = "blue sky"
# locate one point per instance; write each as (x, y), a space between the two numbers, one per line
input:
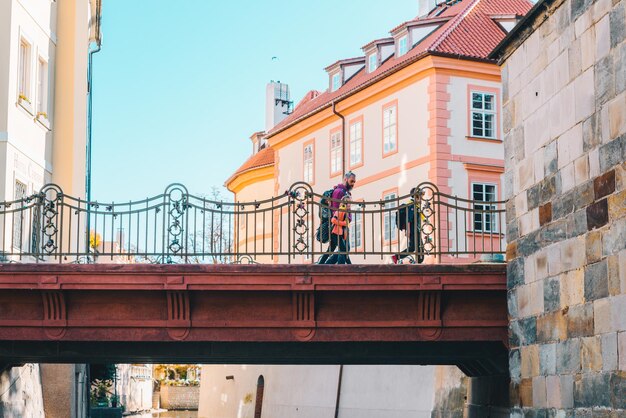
(180, 86)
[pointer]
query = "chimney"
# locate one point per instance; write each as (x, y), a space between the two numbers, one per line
(277, 103)
(425, 6)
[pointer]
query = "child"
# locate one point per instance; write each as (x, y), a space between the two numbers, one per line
(339, 234)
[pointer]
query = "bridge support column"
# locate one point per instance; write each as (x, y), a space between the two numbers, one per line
(487, 397)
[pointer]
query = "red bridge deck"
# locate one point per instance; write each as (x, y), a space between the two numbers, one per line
(377, 314)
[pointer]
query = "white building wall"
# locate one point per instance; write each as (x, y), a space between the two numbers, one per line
(134, 386)
(20, 392)
(311, 391)
(27, 143)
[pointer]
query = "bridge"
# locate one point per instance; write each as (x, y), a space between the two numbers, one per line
(178, 278)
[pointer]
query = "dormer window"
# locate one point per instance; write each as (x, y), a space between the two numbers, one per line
(372, 63)
(419, 33)
(403, 45)
(336, 81)
(507, 22)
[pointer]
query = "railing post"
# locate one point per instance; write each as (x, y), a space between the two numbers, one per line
(299, 195)
(175, 221)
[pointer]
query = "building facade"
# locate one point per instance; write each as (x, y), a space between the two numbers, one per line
(317, 391)
(422, 105)
(43, 107)
(134, 386)
(564, 95)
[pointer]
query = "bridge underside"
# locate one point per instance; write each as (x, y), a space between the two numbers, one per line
(473, 358)
(269, 314)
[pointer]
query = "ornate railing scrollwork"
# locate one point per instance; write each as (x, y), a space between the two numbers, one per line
(295, 226)
(300, 195)
(176, 203)
(426, 194)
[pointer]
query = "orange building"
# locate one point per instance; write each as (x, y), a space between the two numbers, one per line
(423, 105)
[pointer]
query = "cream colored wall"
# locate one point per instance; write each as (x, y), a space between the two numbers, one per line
(378, 174)
(470, 150)
(260, 229)
(412, 144)
(68, 154)
(311, 391)
(459, 118)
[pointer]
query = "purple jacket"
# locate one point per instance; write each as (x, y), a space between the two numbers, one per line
(338, 194)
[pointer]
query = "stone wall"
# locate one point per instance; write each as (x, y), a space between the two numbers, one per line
(180, 397)
(565, 145)
(20, 392)
(451, 387)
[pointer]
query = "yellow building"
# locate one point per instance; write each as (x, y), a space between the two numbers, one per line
(44, 51)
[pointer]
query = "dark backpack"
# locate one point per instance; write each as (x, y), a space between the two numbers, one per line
(325, 212)
(405, 214)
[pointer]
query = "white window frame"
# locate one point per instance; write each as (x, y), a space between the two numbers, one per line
(335, 81)
(390, 232)
(18, 216)
(372, 62)
(481, 115)
(25, 53)
(390, 129)
(356, 143)
(484, 222)
(356, 231)
(336, 143)
(403, 45)
(308, 154)
(42, 87)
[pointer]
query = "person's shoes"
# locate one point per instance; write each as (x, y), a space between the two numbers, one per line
(394, 258)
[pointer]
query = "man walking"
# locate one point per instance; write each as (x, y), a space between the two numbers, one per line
(340, 192)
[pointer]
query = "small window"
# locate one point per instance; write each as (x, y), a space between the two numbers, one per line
(336, 81)
(403, 46)
(24, 71)
(308, 163)
(18, 216)
(356, 143)
(372, 63)
(335, 152)
(390, 231)
(356, 231)
(390, 123)
(42, 88)
(483, 115)
(485, 217)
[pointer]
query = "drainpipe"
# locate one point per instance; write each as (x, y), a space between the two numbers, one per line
(89, 124)
(343, 139)
(338, 390)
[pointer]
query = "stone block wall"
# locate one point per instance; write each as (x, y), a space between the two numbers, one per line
(180, 397)
(564, 91)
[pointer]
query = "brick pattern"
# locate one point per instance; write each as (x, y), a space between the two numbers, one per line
(180, 397)
(565, 145)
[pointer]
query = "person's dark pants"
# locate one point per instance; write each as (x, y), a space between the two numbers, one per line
(411, 246)
(336, 241)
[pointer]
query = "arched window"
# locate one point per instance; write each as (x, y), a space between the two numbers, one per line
(258, 406)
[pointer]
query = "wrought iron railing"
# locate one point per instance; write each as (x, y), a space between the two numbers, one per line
(178, 227)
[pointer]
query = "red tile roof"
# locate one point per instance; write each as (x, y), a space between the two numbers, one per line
(263, 158)
(312, 94)
(469, 33)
